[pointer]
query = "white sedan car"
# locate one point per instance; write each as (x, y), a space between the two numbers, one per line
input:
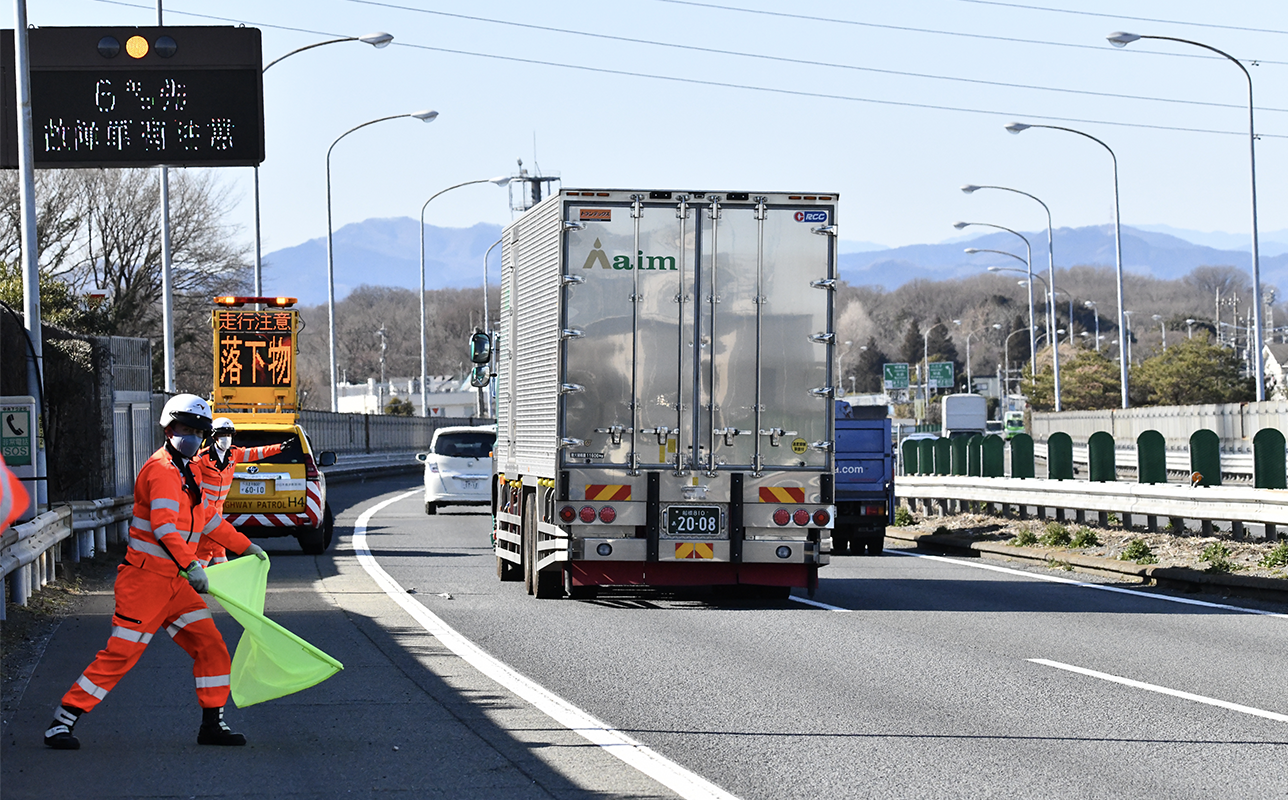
(458, 467)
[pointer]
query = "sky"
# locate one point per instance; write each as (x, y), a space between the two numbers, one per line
(902, 104)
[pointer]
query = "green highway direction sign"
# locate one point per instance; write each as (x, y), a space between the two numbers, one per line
(894, 376)
(941, 375)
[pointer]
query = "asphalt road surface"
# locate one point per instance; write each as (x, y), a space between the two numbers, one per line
(908, 676)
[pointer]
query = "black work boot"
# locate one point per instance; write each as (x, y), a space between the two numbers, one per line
(59, 736)
(215, 731)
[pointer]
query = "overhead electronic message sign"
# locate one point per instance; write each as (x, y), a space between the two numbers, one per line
(138, 97)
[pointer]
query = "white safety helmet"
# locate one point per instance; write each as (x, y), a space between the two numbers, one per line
(222, 426)
(186, 409)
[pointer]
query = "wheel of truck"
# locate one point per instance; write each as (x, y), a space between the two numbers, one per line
(840, 543)
(876, 545)
(431, 507)
(528, 528)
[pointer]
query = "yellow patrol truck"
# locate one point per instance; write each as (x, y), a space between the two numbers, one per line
(256, 387)
(665, 376)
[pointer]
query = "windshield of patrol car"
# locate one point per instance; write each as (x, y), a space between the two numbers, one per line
(292, 454)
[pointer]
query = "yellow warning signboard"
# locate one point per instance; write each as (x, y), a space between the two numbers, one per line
(255, 359)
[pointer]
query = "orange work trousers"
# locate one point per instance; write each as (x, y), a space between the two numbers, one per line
(146, 601)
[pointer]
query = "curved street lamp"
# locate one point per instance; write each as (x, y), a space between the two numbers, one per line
(377, 40)
(1028, 260)
(423, 116)
(997, 326)
(1091, 304)
(971, 188)
(1006, 357)
(1017, 127)
(1050, 318)
(1122, 39)
(500, 180)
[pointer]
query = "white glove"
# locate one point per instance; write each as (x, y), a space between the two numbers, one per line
(196, 576)
(255, 550)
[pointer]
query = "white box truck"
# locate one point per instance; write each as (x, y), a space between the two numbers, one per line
(665, 391)
(964, 415)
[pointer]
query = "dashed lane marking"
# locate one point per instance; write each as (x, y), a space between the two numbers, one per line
(1149, 687)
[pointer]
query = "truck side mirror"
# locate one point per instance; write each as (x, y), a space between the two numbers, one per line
(480, 348)
(479, 377)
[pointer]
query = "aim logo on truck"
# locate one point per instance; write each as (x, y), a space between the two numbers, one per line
(623, 261)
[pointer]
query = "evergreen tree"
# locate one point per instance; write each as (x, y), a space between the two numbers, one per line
(1193, 372)
(910, 351)
(868, 368)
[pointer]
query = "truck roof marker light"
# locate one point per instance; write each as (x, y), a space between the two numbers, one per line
(801, 517)
(567, 514)
(782, 516)
(821, 518)
(587, 514)
(607, 514)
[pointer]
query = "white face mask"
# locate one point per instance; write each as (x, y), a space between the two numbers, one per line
(222, 443)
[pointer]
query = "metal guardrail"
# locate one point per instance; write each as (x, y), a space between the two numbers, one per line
(1237, 505)
(29, 552)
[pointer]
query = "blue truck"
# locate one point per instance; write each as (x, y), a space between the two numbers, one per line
(864, 488)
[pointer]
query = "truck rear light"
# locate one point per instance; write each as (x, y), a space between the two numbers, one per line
(783, 551)
(876, 510)
(821, 518)
(587, 514)
(310, 467)
(607, 514)
(567, 514)
(782, 516)
(801, 517)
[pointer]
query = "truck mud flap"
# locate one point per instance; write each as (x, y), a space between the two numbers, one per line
(653, 514)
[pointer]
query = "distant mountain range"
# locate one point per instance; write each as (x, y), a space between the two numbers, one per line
(386, 252)
(1158, 254)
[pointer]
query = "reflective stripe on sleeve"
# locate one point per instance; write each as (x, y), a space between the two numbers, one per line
(212, 524)
(141, 524)
(151, 549)
(128, 635)
(90, 688)
(184, 620)
(212, 681)
(162, 530)
(173, 505)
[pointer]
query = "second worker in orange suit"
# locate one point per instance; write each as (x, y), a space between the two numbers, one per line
(217, 463)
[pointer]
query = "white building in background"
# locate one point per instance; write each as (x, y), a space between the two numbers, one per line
(448, 396)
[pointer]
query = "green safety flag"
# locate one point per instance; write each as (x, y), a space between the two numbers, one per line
(270, 661)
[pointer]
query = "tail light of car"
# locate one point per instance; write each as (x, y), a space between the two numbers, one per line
(310, 468)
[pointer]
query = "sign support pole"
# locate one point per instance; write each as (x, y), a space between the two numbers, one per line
(30, 256)
(167, 284)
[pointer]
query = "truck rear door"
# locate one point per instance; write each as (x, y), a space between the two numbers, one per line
(694, 333)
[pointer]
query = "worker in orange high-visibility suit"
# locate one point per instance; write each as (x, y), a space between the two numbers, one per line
(157, 585)
(217, 464)
(13, 496)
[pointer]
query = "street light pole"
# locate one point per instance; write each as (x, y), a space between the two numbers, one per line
(500, 180)
(970, 378)
(424, 116)
(1050, 317)
(1055, 350)
(1091, 304)
(1162, 325)
(377, 40)
(1121, 39)
(1017, 127)
(1006, 355)
(1028, 264)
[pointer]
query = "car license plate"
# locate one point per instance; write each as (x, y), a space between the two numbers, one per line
(469, 483)
(254, 487)
(693, 521)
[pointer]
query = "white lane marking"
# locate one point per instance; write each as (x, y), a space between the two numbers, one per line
(817, 604)
(1082, 584)
(687, 784)
(1198, 698)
